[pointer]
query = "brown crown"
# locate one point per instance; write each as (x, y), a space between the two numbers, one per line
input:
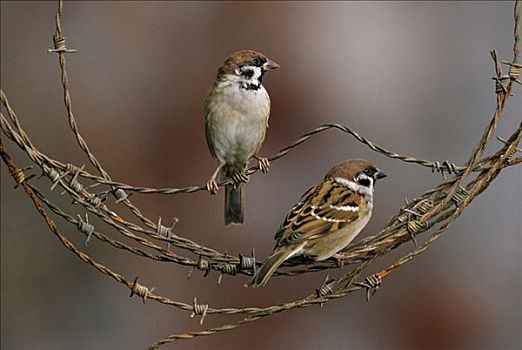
(238, 58)
(348, 169)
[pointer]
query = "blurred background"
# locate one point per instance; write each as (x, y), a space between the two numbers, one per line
(412, 76)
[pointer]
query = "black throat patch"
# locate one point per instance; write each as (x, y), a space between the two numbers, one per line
(247, 73)
(250, 86)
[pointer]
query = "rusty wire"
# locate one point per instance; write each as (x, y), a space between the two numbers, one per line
(438, 207)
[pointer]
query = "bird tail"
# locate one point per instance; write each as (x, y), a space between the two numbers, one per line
(269, 266)
(234, 204)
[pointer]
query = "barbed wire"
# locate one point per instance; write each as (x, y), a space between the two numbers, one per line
(437, 207)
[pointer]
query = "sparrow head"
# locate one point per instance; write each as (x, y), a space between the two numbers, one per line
(359, 173)
(246, 67)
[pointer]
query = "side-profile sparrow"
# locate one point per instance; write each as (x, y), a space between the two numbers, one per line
(236, 118)
(326, 218)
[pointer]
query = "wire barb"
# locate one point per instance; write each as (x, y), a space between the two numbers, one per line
(371, 284)
(203, 265)
(85, 227)
(94, 200)
(164, 230)
(403, 217)
(501, 84)
(248, 263)
(414, 226)
(325, 288)
(54, 176)
(514, 70)
(459, 196)
(444, 166)
(424, 206)
(59, 45)
(19, 176)
(228, 269)
(199, 309)
(74, 184)
(141, 291)
(119, 194)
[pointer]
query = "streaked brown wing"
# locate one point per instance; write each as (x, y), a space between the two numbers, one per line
(322, 209)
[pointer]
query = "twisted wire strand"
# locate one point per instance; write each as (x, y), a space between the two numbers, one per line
(446, 203)
(479, 185)
(177, 241)
(119, 278)
(305, 137)
(196, 247)
(220, 257)
(444, 166)
(257, 312)
(268, 311)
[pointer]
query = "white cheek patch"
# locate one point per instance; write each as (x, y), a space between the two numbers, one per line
(345, 208)
(257, 73)
(367, 192)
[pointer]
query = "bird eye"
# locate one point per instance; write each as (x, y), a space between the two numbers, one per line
(256, 61)
(369, 171)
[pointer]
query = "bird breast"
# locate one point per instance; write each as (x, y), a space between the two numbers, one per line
(236, 120)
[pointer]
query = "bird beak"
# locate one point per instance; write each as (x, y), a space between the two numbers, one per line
(270, 65)
(379, 175)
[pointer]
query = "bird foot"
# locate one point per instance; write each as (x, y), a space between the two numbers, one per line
(212, 186)
(264, 165)
(240, 178)
(339, 259)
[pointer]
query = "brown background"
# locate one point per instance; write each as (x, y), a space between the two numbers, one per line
(414, 77)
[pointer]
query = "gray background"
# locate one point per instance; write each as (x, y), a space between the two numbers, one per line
(413, 76)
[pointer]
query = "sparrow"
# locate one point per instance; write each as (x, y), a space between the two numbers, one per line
(326, 218)
(236, 118)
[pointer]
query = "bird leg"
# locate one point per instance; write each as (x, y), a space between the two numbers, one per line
(339, 259)
(264, 164)
(212, 185)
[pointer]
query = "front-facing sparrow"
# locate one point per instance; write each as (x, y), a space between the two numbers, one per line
(326, 218)
(236, 118)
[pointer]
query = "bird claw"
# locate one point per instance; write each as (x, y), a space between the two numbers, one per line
(264, 165)
(212, 186)
(240, 178)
